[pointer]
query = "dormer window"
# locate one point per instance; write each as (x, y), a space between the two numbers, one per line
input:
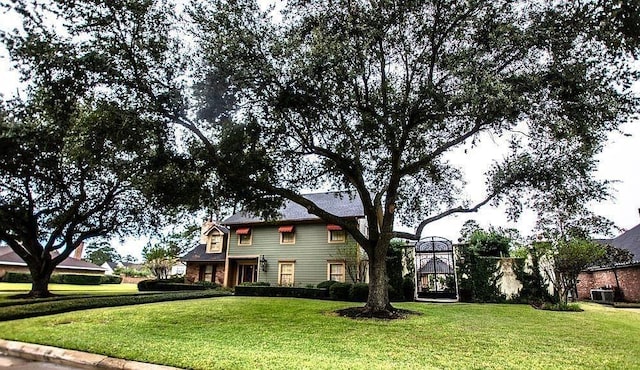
(287, 235)
(214, 243)
(244, 236)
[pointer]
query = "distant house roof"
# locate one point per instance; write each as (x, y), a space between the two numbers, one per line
(341, 204)
(199, 254)
(629, 240)
(435, 266)
(9, 258)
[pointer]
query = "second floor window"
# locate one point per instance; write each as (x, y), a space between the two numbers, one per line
(287, 235)
(244, 236)
(336, 234)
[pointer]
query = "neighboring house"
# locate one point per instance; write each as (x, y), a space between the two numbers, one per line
(109, 267)
(626, 276)
(297, 248)
(179, 268)
(206, 262)
(11, 262)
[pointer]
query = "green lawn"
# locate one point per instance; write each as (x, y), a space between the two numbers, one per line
(7, 289)
(246, 332)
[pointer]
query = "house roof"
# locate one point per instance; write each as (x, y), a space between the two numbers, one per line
(629, 240)
(213, 227)
(199, 254)
(440, 267)
(341, 204)
(9, 258)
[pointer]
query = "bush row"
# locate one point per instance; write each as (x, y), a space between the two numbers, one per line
(280, 291)
(73, 279)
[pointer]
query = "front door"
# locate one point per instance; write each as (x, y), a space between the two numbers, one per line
(247, 273)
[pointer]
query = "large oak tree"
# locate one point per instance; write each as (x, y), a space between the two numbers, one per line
(371, 96)
(79, 146)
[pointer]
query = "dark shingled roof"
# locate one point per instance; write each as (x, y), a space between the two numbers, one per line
(629, 240)
(199, 254)
(441, 267)
(341, 204)
(9, 257)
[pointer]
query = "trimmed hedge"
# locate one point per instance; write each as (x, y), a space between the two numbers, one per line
(281, 291)
(326, 284)
(359, 292)
(76, 279)
(73, 279)
(17, 277)
(340, 291)
(110, 279)
(167, 286)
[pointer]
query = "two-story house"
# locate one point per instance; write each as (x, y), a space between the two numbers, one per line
(295, 249)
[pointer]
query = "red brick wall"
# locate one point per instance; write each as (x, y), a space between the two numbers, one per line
(628, 277)
(193, 272)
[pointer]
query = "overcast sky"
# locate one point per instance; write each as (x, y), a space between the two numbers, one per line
(619, 161)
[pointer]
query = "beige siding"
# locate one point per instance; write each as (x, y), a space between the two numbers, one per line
(311, 252)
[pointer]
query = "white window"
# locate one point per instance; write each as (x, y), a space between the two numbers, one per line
(214, 244)
(244, 236)
(336, 234)
(286, 273)
(336, 271)
(287, 235)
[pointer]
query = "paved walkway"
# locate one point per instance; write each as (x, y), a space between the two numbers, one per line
(19, 363)
(52, 358)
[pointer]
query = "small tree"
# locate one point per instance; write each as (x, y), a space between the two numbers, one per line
(355, 261)
(101, 252)
(568, 258)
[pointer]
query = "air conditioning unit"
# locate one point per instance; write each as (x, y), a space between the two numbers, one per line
(602, 295)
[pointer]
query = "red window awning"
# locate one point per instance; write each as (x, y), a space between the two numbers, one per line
(332, 227)
(285, 229)
(243, 231)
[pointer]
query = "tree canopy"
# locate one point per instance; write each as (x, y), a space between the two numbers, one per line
(371, 96)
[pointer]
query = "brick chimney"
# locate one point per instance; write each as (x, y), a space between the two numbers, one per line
(206, 225)
(77, 253)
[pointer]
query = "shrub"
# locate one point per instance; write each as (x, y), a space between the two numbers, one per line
(408, 288)
(255, 283)
(280, 291)
(17, 277)
(76, 279)
(326, 284)
(208, 284)
(340, 291)
(110, 279)
(166, 286)
(359, 292)
(571, 307)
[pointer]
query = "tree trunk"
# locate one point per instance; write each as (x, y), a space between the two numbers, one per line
(40, 276)
(378, 301)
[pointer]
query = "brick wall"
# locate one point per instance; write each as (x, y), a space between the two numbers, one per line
(193, 272)
(628, 277)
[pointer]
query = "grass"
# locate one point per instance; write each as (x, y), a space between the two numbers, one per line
(248, 332)
(10, 310)
(7, 289)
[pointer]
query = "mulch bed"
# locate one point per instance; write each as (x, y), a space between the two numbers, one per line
(364, 313)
